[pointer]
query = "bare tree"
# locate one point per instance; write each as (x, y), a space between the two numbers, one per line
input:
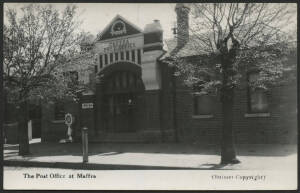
(36, 45)
(237, 34)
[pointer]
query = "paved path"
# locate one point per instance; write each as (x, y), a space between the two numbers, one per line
(152, 156)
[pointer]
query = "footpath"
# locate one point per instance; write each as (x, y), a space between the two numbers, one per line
(166, 156)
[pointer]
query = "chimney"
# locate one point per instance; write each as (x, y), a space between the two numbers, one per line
(182, 11)
(153, 36)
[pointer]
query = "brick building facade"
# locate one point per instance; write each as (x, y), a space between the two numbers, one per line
(137, 98)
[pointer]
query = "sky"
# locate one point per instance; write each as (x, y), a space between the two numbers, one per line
(96, 16)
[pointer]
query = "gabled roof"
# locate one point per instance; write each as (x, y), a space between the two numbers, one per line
(131, 29)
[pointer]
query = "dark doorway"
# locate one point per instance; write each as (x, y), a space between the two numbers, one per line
(120, 115)
(121, 101)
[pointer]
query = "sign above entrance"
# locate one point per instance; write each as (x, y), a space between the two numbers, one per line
(120, 44)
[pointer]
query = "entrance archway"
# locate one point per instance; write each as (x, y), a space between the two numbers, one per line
(122, 100)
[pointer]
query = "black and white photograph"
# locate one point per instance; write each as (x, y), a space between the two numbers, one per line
(150, 96)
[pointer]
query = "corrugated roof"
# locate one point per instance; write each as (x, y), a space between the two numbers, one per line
(86, 59)
(191, 48)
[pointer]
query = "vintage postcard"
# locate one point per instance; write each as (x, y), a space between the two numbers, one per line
(150, 96)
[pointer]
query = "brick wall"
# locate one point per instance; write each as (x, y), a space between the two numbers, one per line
(54, 130)
(151, 131)
(279, 127)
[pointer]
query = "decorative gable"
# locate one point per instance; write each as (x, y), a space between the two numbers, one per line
(118, 27)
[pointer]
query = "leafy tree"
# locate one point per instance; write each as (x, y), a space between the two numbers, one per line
(241, 37)
(37, 45)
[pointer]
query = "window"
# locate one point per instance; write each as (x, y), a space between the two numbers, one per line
(111, 57)
(124, 79)
(96, 68)
(122, 55)
(106, 59)
(133, 55)
(121, 81)
(101, 62)
(257, 98)
(59, 111)
(139, 56)
(131, 81)
(117, 81)
(203, 104)
(111, 105)
(116, 56)
(110, 85)
(127, 55)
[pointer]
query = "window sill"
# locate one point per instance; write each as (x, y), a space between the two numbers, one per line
(249, 115)
(202, 116)
(58, 121)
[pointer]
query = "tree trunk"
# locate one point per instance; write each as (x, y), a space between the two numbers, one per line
(23, 129)
(228, 153)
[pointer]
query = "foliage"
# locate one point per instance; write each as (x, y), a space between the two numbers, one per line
(37, 45)
(240, 37)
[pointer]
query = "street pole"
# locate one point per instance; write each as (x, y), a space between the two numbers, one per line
(85, 155)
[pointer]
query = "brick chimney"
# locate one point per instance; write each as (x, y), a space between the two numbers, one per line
(182, 11)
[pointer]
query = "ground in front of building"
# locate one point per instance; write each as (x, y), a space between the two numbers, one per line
(164, 155)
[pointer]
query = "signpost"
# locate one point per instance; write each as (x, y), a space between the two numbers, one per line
(85, 156)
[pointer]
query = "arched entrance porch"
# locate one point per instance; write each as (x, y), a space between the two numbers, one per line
(119, 100)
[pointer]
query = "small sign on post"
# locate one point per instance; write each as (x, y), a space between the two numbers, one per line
(87, 105)
(68, 122)
(85, 155)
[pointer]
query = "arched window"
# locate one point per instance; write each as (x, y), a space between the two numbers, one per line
(123, 81)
